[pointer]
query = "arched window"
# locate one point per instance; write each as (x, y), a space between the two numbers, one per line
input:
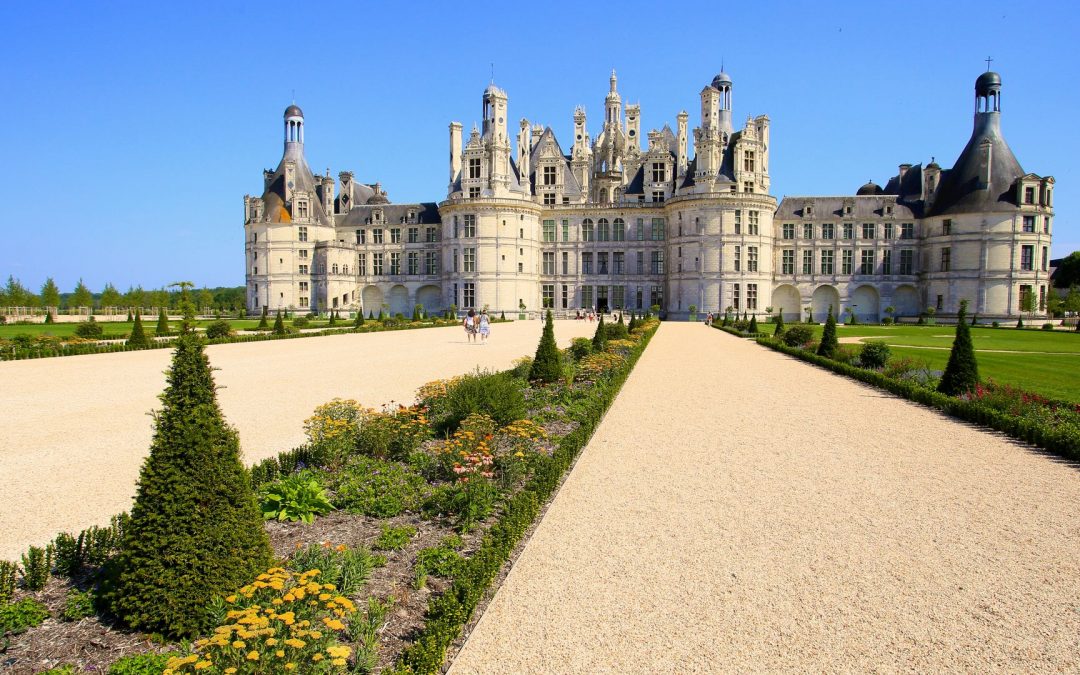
(588, 233)
(603, 230)
(619, 230)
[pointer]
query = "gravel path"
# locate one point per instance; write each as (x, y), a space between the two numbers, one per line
(822, 526)
(75, 430)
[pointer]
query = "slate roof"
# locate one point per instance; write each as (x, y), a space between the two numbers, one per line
(832, 208)
(963, 188)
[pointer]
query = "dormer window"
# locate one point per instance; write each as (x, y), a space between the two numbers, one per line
(549, 175)
(301, 209)
(1029, 194)
(888, 210)
(659, 172)
(474, 168)
(847, 210)
(377, 216)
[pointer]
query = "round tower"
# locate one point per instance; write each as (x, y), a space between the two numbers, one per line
(294, 131)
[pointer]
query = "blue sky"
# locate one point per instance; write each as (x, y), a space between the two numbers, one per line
(134, 129)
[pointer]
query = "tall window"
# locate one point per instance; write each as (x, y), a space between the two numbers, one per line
(1045, 258)
(886, 262)
(468, 259)
(413, 263)
(547, 292)
(866, 264)
(430, 235)
(361, 264)
(748, 160)
(395, 235)
(360, 238)
(808, 231)
(788, 263)
(586, 297)
(549, 262)
(868, 230)
(751, 259)
(827, 262)
(395, 263)
(431, 262)
(303, 269)
(474, 168)
(738, 258)
(641, 229)
(658, 172)
(301, 209)
(888, 231)
(565, 296)
(302, 233)
(618, 231)
(658, 196)
(565, 232)
(565, 263)
(588, 230)
(738, 221)
(946, 259)
(1027, 258)
(549, 175)
(377, 264)
(807, 261)
(847, 262)
(549, 230)
(1029, 195)
(618, 262)
(735, 297)
(601, 263)
(1029, 223)
(849, 230)
(376, 236)
(1046, 224)
(946, 226)
(618, 296)
(657, 295)
(603, 230)
(414, 235)
(641, 262)
(828, 231)
(469, 225)
(751, 296)
(752, 224)
(788, 230)
(657, 229)
(907, 261)
(468, 295)
(907, 230)
(586, 263)
(656, 262)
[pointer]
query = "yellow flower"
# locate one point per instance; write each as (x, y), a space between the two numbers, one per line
(230, 671)
(203, 664)
(239, 644)
(339, 652)
(280, 653)
(290, 666)
(334, 624)
(277, 601)
(293, 642)
(230, 599)
(270, 642)
(338, 662)
(317, 657)
(253, 656)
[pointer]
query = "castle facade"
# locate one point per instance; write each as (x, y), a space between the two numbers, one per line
(681, 219)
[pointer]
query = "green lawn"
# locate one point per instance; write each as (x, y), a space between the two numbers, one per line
(1052, 374)
(121, 329)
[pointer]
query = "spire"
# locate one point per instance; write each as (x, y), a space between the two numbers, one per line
(294, 132)
(614, 80)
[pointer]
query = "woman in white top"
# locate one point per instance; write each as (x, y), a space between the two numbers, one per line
(485, 325)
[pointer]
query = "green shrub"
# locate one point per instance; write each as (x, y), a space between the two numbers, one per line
(471, 502)
(359, 321)
(36, 565)
(90, 329)
(293, 498)
(141, 664)
(162, 323)
(581, 347)
(547, 364)
(887, 321)
(779, 330)
(301, 322)
(21, 616)
(347, 568)
(1048, 326)
(829, 344)
(279, 325)
(195, 531)
(219, 329)
(393, 538)
(848, 354)
(442, 561)
(498, 395)
(138, 338)
(874, 355)
(8, 572)
(94, 546)
(599, 340)
(752, 327)
(66, 669)
(77, 605)
(996, 324)
(798, 335)
(377, 488)
(617, 330)
(962, 371)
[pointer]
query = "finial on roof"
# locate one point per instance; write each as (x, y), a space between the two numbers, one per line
(613, 79)
(988, 60)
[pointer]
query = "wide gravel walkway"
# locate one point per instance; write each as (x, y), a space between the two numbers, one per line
(74, 430)
(740, 511)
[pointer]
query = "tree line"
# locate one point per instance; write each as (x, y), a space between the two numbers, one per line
(14, 294)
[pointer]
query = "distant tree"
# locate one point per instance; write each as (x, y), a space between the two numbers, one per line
(547, 364)
(1067, 273)
(110, 297)
(1072, 299)
(1055, 306)
(279, 325)
(829, 344)
(962, 371)
(1027, 302)
(50, 293)
(206, 299)
(162, 323)
(333, 317)
(135, 297)
(159, 298)
(138, 338)
(17, 295)
(81, 297)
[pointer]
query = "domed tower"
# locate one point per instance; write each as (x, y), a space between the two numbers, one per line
(722, 83)
(294, 132)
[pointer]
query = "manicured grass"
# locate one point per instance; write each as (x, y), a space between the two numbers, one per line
(121, 329)
(1052, 374)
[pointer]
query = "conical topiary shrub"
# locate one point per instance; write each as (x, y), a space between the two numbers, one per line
(829, 344)
(1020, 322)
(162, 323)
(333, 319)
(359, 321)
(48, 316)
(633, 322)
(196, 532)
(962, 372)
(263, 324)
(279, 325)
(547, 364)
(138, 338)
(129, 317)
(779, 330)
(599, 338)
(752, 329)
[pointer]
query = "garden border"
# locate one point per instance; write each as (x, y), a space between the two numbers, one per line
(1058, 442)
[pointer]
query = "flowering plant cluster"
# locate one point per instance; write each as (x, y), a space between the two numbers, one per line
(1015, 401)
(335, 422)
(594, 366)
(282, 622)
(395, 432)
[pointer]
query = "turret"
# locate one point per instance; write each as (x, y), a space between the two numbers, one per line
(294, 132)
(524, 151)
(722, 83)
(680, 140)
(633, 128)
(455, 152)
(613, 103)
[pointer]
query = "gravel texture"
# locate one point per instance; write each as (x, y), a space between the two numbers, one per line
(741, 511)
(75, 429)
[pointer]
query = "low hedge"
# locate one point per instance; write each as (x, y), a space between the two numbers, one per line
(1058, 441)
(448, 614)
(738, 333)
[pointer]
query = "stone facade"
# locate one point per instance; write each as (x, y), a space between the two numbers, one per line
(614, 224)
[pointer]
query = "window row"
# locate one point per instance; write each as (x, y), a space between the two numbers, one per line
(412, 234)
(868, 262)
(867, 231)
(393, 266)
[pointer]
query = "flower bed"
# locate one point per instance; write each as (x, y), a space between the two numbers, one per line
(414, 509)
(1053, 425)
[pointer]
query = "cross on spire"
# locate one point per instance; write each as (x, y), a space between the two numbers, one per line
(988, 60)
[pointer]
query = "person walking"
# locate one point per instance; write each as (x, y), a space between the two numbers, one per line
(470, 326)
(485, 326)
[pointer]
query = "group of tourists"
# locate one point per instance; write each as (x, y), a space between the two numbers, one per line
(477, 325)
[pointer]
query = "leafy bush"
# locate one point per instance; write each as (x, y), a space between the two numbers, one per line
(498, 395)
(1048, 326)
(219, 329)
(547, 363)
(162, 327)
(279, 325)
(94, 546)
(36, 565)
(442, 561)
(196, 531)
(394, 433)
(874, 355)
(346, 568)
(141, 664)
(798, 335)
(301, 634)
(301, 322)
(599, 340)
(393, 538)
(77, 605)
(21, 616)
(377, 488)
(89, 330)
(580, 348)
(8, 572)
(848, 354)
(617, 330)
(597, 365)
(66, 669)
(887, 321)
(296, 497)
